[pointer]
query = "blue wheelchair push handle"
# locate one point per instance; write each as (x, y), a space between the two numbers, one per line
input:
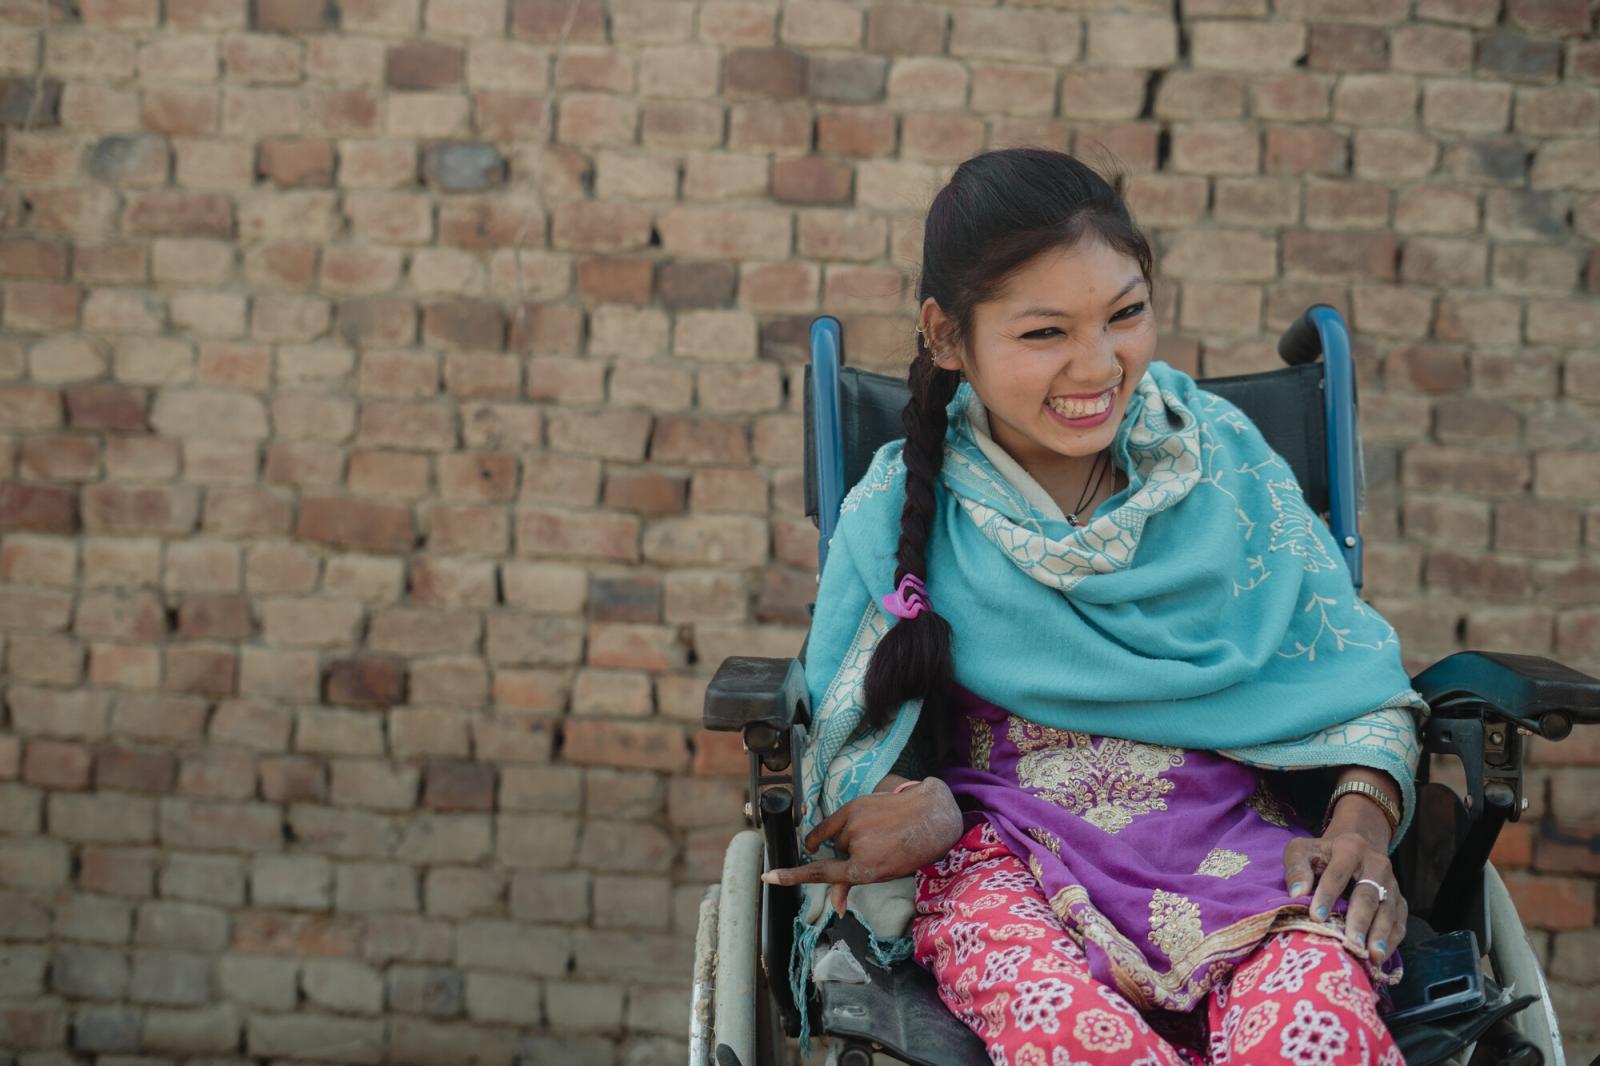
(1321, 329)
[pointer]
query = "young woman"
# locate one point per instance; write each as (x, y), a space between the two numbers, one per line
(1066, 629)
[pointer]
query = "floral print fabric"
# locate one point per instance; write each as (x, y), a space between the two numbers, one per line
(1009, 969)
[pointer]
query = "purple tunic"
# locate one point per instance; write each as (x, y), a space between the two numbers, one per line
(1165, 864)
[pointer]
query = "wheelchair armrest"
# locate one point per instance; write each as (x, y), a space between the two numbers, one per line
(748, 691)
(1536, 693)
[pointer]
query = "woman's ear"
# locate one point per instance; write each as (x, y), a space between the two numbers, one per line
(938, 334)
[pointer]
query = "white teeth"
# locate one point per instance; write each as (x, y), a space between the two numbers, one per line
(1073, 408)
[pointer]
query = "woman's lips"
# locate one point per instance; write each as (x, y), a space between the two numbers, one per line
(1081, 411)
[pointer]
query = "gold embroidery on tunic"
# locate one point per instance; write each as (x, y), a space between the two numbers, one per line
(982, 742)
(1266, 803)
(1174, 923)
(1189, 978)
(1108, 783)
(1048, 839)
(1220, 862)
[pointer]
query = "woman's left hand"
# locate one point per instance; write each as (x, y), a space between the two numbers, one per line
(1375, 920)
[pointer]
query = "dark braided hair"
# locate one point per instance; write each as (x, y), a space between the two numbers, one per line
(999, 210)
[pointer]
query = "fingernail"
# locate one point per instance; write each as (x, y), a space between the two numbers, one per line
(770, 877)
(1383, 948)
(1322, 912)
(1297, 889)
(1360, 939)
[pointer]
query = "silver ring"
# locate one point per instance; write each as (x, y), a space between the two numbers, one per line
(1383, 893)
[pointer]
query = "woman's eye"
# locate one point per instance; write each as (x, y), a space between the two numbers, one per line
(1131, 311)
(1041, 334)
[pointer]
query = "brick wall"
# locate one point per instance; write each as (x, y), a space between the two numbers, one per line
(398, 423)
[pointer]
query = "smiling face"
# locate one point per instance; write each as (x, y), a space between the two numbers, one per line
(1043, 354)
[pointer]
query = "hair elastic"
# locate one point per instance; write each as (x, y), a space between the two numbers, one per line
(909, 600)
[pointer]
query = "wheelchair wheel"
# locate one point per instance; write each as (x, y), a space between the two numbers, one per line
(1517, 966)
(731, 1005)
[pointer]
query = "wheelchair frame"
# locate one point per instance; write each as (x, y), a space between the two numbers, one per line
(1483, 704)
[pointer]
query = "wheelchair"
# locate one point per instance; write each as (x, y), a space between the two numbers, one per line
(1483, 707)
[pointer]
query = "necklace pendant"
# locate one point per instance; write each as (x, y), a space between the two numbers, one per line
(1072, 520)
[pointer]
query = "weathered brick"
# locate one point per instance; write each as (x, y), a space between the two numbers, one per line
(358, 524)
(631, 744)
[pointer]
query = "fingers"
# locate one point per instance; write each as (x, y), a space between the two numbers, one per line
(1343, 859)
(828, 827)
(837, 895)
(1389, 923)
(823, 870)
(1297, 873)
(1363, 908)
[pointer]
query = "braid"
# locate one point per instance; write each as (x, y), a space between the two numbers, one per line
(913, 659)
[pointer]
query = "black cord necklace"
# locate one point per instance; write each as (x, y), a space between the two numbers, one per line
(1089, 490)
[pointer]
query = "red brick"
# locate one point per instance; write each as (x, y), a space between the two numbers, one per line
(543, 21)
(1551, 16)
(720, 754)
(184, 214)
(201, 671)
(592, 120)
(762, 126)
(1314, 254)
(613, 279)
(1344, 48)
(294, 16)
(1306, 150)
(297, 164)
(811, 180)
(681, 124)
(593, 535)
(207, 14)
(38, 508)
(130, 770)
(55, 764)
(424, 65)
(1553, 902)
(120, 14)
(358, 524)
(645, 492)
(365, 682)
(156, 509)
(136, 616)
(478, 476)
(905, 28)
(631, 745)
(377, 323)
(778, 73)
(294, 779)
(860, 133)
(457, 785)
(29, 257)
(297, 935)
(59, 457)
(215, 616)
(464, 324)
(595, 226)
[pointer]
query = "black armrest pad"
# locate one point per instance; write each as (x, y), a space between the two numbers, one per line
(1524, 687)
(748, 691)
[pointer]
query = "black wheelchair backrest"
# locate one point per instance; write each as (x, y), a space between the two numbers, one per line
(1285, 404)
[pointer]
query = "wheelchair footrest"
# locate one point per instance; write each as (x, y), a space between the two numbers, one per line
(898, 1009)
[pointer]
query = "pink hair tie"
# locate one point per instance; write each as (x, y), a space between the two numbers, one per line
(909, 600)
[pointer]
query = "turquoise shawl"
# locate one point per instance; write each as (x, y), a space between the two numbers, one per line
(1204, 606)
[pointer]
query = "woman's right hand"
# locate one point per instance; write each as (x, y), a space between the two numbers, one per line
(884, 835)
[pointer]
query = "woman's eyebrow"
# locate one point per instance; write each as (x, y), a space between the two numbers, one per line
(1051, 312)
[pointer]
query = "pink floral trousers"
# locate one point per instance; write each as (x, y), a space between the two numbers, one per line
(1007, 968)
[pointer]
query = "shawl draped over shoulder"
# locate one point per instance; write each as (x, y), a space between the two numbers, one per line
(1204, 606)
